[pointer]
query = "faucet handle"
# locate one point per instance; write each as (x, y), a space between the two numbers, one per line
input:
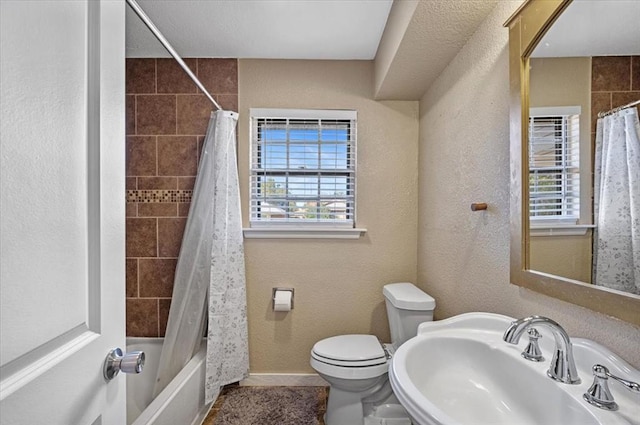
(599, 394)
(532, 352)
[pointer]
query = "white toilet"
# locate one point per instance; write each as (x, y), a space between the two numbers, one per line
(356, 365)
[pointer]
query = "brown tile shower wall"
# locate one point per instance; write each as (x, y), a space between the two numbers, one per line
(615, 81)
(166, 120)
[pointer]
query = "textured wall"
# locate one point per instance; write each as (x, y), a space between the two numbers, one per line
(338, 283)
(463, 256)
(167, 118)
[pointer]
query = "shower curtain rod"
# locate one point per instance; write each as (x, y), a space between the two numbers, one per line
(136, 8)
(619, 108)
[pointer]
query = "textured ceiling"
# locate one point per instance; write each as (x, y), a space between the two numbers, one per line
(430, 39)
(266, 29)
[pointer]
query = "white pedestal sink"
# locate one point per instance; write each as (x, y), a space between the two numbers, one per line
(460, 371)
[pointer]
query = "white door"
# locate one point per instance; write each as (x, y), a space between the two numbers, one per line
(62, 210)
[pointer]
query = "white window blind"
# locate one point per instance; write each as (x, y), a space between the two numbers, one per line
(554, 164)
(303, 167)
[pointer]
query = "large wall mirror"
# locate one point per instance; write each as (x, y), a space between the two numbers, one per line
(569, 61)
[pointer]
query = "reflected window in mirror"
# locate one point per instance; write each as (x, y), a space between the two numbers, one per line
(554, 166)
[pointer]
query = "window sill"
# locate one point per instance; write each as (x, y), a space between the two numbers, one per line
(560, 229)
(301, 233)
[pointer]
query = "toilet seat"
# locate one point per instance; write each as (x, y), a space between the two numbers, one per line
(350, 351)
(350, 357)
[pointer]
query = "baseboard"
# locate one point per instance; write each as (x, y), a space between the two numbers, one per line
(284, 380)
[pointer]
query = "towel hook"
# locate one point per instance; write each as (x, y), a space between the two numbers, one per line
(478, 206)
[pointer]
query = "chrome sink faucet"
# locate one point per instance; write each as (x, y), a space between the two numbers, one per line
(599, 394)
(563, 366)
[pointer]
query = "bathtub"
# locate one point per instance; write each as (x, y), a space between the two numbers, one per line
(181, 402)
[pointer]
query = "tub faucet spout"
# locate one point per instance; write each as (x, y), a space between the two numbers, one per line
(563, 366)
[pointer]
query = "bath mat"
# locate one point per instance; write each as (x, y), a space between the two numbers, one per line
(271, 406)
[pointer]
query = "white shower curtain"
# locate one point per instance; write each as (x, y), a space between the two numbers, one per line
(616, 251)
(210, 275)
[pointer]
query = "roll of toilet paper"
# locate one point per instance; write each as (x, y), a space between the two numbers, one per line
(282, 301)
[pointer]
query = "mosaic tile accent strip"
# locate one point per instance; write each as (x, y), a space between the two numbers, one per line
(158, 196)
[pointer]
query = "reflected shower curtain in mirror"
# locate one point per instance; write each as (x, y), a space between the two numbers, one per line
(209, 286)
(616, 251)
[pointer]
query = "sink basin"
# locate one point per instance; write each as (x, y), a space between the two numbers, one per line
(460, 371)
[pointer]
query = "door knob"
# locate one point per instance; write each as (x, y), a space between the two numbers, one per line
(132, 362)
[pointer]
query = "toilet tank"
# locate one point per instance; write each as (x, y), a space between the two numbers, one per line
(407, 307)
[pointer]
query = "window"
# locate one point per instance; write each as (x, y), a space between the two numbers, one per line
(554, 165)
(303, 168)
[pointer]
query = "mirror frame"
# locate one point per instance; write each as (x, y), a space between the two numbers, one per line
(527, 26)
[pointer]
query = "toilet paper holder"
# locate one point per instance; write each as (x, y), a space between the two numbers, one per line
(273, 296)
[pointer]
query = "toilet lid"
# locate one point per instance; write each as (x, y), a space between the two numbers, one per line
(351, 348)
